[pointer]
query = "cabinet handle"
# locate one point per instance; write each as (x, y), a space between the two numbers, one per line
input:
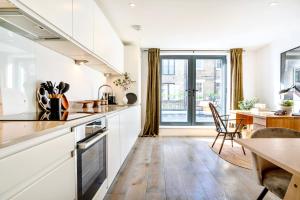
(72, 154)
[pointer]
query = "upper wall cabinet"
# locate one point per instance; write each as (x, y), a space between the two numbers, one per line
(57, 12)
(83, 22)
(106, 42)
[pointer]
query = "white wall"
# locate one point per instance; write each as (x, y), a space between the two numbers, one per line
(144, 80)
(248, 74)
(267, 68)
(24, 64)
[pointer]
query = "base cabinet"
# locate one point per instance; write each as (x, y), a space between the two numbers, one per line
(58, 185)
(113, 147)
(45, 171)
(124, 128)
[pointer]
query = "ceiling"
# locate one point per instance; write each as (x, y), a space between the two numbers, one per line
(202, 24)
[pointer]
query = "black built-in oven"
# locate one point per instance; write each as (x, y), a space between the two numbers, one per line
(91, 158)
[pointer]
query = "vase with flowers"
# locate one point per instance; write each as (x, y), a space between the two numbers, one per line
(124, 82)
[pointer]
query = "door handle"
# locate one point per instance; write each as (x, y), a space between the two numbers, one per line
(193, 91)
(91, 141)
(190, 92)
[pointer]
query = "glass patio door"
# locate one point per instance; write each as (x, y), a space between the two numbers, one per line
(188, 84)
(210, 86)
(175, 100)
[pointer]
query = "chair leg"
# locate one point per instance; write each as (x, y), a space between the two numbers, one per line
(222, 143)
(262, 194)
(243, 150)
(215, 140)
(240, 136)
(231, 135)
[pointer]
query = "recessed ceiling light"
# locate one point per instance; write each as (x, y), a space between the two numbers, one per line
(80, 62)
(137, 27)
(274, 3)
(132, 5)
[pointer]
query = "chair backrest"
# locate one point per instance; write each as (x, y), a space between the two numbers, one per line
(258, 165)
(220, 125)
(275, 133)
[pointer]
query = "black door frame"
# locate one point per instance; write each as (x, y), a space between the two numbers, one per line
(191, 83)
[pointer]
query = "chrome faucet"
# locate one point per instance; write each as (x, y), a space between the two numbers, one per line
(105, 85)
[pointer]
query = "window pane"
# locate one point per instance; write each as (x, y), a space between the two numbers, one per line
(174, 106)
(164, 67)
(199, 65)
(211, 89)
(164, 92)
(173, 94)
(172, 70)
(171, 63)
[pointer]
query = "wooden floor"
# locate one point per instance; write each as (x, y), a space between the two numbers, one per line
(181, 168)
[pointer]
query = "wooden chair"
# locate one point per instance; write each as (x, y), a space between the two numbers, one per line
(272, 177)
(223, 129)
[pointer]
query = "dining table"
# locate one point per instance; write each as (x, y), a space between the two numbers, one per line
(282, 152)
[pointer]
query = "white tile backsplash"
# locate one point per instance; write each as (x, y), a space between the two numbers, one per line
(25, 63)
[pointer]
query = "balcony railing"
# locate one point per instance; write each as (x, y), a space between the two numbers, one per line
(176, 105)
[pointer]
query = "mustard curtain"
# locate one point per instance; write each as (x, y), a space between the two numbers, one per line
(236, 85)
(151, 127)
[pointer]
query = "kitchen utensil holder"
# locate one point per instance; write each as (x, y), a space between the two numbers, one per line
(55, 104)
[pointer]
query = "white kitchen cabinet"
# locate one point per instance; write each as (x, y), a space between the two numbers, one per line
(124, 134)
(129, 129)
(83, 22)
(57, 12)
(27, 168)
(113, 147)
(107, 44)
(58, 185)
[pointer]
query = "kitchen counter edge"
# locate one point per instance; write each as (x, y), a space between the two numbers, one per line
(37, 137)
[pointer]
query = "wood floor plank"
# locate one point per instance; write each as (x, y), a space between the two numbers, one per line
(182, 168)
(156, 176)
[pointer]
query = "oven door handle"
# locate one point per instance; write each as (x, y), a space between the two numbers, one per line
(86, 144)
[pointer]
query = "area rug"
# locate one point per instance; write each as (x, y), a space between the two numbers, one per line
(233, 155)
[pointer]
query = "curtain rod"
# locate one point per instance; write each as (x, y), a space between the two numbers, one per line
(193, 50)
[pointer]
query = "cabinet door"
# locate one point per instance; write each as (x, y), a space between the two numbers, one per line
(124, 134)
(136, 122)
(113, 148)
(83, 22)
(102, 36)
(57, 12)
(35, 162)
(59, 184)
(107, 44)
(130, 127)
(118, 53)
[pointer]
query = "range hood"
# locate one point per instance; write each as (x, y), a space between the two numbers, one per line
(12, 18)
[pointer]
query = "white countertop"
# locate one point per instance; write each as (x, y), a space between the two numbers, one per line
(29, 133)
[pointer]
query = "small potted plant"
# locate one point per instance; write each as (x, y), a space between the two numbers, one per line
(125, 82)
(247, 104)
(287, 105)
